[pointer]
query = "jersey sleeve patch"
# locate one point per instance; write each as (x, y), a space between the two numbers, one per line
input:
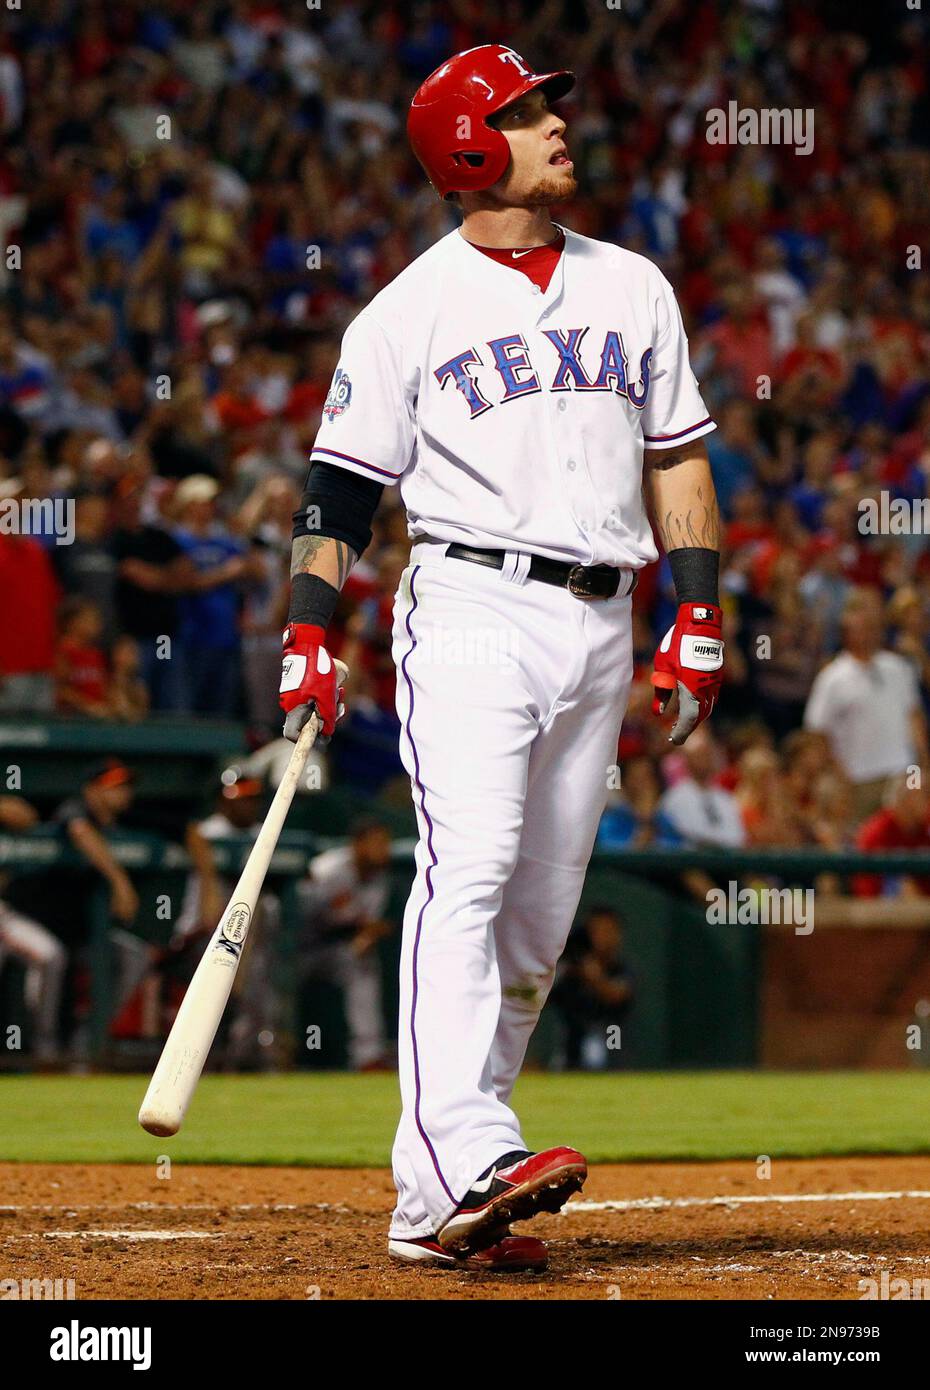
(340, 395)
(367, 422)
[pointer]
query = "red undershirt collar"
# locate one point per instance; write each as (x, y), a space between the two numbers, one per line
(537, 263)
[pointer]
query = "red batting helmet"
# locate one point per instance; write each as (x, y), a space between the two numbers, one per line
(447, 122)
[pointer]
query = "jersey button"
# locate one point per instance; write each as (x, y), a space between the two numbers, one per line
(570, 465)
(563, 405)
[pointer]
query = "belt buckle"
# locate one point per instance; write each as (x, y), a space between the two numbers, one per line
(577, 576)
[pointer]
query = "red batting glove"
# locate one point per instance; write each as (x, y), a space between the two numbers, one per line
(690, 660)
(308, 681)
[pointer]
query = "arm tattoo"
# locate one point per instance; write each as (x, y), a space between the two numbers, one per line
(306, 549)
(698, 527)
(661, 459)
(304, 552)
(345, 559)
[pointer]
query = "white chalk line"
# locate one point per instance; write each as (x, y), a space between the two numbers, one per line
(850, 1256)
(69, 1207)
(840, 1260)
(119, 1235)
(656, 1203)
(777, 1198)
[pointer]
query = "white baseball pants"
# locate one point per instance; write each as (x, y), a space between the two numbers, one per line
(46, 961)
(510, 694)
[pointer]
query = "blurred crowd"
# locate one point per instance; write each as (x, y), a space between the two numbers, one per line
(205, 195)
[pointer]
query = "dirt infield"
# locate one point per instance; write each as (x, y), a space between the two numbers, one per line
(711, 1230)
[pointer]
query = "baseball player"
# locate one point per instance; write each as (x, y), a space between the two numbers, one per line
(40, 952)
(520, 384)
(343, 901)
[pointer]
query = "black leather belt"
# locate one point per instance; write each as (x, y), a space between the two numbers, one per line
(584, 581)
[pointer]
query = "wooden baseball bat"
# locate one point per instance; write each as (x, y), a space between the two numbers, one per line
(182, 1060)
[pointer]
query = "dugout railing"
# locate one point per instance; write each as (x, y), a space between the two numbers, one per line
(717, 982)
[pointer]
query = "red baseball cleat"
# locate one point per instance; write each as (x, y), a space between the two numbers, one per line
(516, 1187)
(506, 1253)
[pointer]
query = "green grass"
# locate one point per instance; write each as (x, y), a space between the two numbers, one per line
(342, 1120)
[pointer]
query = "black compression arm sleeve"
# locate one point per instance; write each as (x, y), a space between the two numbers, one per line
(695, 572)
(338, 504)
(312, 600)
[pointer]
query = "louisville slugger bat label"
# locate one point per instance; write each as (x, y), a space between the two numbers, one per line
(234, 931)
(236, 926)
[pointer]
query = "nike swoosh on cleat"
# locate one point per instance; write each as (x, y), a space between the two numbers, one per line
(485, 1183)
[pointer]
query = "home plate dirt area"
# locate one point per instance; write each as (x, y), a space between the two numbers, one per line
(638, 1231)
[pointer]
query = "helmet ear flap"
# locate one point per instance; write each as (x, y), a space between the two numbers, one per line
(458, 150)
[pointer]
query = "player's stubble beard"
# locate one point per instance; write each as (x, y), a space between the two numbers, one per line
(549, 190)
(553, 187)
(545, 192)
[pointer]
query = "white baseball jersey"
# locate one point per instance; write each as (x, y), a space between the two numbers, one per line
(513, 416)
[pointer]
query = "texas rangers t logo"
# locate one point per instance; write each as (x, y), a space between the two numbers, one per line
(509, 56)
